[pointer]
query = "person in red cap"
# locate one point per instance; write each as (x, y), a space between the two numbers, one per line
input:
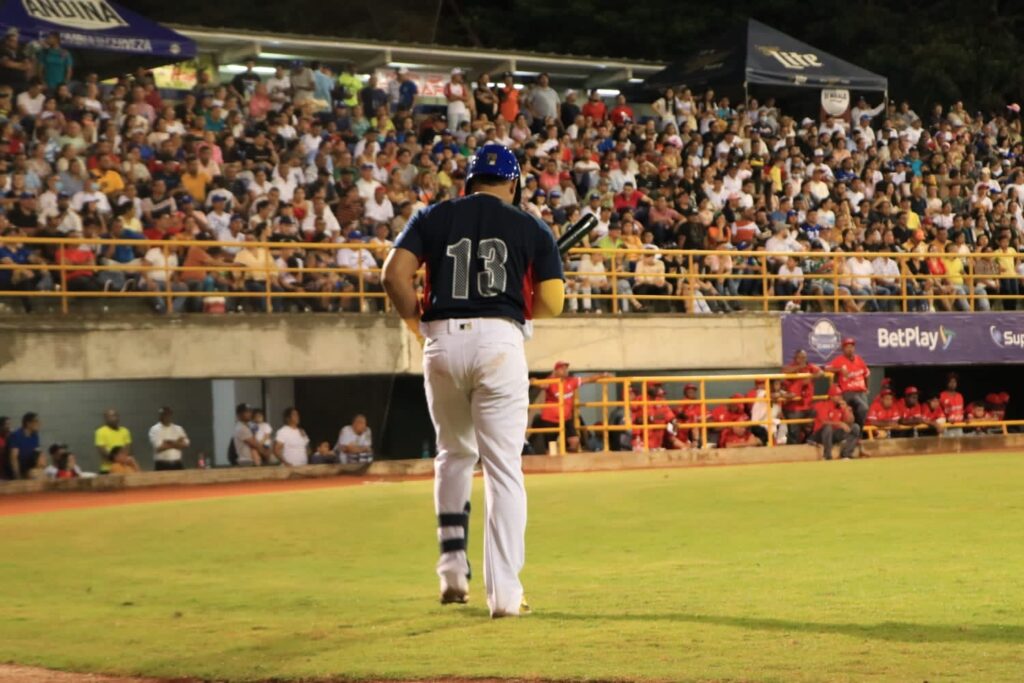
(913, 414)
(832, 424)
(692, 413)
(548, 416)
(799, 395)
(658, 413)
(852, 375)
(886, 414)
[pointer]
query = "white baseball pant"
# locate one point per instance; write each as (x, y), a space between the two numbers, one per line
(477, 388)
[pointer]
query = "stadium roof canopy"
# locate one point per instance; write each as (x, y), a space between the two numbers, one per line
(759, 54)
(234, 45)
(105, 33)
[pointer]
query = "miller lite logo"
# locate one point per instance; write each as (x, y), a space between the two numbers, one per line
(797, 61)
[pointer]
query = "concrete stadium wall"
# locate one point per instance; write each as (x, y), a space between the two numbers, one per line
(78, 348)
(71, 412)
(584, 462)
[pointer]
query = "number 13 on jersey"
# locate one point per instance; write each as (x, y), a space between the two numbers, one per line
(492, 278)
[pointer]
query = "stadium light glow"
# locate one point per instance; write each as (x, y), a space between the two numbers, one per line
(240, 68)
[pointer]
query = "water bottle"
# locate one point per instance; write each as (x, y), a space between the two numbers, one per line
(202, 460)
(425, 451)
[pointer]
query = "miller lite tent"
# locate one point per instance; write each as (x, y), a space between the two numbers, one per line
(760, 55)
(103, 36)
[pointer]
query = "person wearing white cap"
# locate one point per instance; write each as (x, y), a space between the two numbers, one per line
(861, 109)
(457, 94)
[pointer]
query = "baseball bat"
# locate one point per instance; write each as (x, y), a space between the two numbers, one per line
(576, 232)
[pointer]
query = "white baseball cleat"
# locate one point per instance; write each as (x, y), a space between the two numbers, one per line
(454, 589)
(522, 611)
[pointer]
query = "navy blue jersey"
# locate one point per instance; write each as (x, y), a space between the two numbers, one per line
(482, 256)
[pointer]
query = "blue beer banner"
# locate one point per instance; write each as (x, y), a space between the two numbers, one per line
(908, 338)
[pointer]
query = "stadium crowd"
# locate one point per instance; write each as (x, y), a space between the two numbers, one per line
(308, 155)
(253, 443)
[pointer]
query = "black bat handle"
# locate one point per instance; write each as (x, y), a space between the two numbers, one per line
(576, 233)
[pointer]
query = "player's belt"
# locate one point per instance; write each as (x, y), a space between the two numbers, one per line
(451, 326)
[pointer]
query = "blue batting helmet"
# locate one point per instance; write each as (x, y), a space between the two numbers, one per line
(496, 161)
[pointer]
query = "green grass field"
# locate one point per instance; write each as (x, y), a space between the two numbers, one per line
(903, 569)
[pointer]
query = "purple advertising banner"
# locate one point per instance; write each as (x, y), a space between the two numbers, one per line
(908, 338)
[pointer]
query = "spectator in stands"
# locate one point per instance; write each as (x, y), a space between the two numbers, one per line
(63, 463)
(767, 410)
(262, 430)
(457, 94)
(852, 375)
(247, 451)
(544, 103)
(119, 462)
(23, 446)
(355, 442)
(168, 441)
(109, 435)
(833, 423)
(291, 443)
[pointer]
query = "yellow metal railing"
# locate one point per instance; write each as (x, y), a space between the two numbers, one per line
(638, 414)
(872, 431)
(748, 277)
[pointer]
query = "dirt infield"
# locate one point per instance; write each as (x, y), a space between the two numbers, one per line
(11, 673)
(27, 674)
(28, 503)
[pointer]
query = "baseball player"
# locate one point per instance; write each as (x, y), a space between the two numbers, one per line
(548, 416)
(490, 269)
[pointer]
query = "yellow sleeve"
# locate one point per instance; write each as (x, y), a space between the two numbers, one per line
(548, 298)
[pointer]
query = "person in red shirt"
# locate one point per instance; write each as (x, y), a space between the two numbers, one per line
(658, 412)
(976, 412)
(885, 414)
(509, 97)
(728, 412)
(831, 425)
(933, 415)
(799, 395)
(621, 113)
(852, 375)
(951, 400)
(912, 409)
(675, 435)
(82, 278)
(548, 416)
(995, 404)
(630, 198)
(738, 437)
(692, 413)
(595, 108)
